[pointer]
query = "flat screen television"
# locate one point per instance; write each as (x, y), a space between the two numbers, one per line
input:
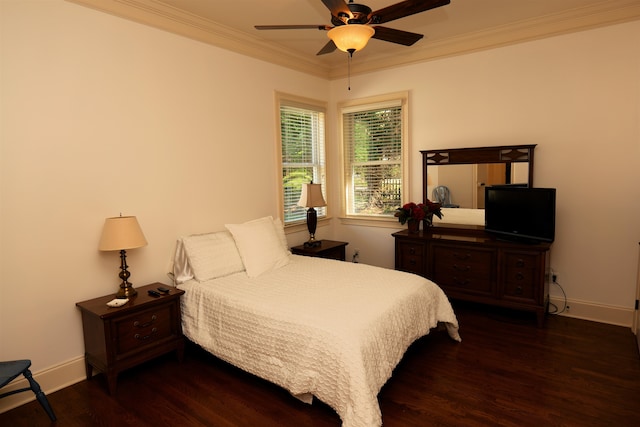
(523, 214)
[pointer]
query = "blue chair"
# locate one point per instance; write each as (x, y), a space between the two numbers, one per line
(442, 195)
(10, 370)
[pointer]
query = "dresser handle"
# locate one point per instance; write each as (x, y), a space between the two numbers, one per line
(412, 251)
(462, 282)
(520, 262)
(519, 276)
(412, 261)
(137, 323)
(463, 268)
(146, 337)
(462, 257)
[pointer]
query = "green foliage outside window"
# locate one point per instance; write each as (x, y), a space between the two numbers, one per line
(302, 135)
(374, 138)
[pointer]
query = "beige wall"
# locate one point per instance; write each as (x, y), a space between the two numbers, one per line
(101, 116)
(578, 97)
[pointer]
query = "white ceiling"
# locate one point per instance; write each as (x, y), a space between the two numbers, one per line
(462, 26)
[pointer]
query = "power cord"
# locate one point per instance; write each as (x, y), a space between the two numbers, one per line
(554, 279)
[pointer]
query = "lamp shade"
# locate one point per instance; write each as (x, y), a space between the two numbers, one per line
(121, 232)
(351, 37)
(311, 196)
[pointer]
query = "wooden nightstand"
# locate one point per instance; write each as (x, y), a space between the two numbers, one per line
(328, 249)
(118, 338)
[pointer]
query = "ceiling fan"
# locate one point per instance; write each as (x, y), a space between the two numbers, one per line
(363, 23)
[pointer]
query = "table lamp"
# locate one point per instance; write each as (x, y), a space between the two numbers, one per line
(311, 197)
(118, 234)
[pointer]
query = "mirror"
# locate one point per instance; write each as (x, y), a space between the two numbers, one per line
(465, 172)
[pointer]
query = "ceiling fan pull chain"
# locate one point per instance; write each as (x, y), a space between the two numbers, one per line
(349, 71)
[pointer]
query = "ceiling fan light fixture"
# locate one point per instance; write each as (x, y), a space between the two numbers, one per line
(351, 38)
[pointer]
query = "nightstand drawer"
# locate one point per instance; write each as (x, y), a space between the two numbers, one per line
(143, 328)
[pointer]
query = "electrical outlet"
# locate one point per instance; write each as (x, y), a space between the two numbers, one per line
(554, 277)
(356, 254)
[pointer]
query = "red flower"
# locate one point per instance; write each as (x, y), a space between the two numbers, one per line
(418, 212)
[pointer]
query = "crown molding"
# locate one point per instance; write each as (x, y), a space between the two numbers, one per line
(162, 16)
(159, 15)
(579, 19)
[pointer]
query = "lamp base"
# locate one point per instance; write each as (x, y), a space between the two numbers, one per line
(126, 291)
(312, 222)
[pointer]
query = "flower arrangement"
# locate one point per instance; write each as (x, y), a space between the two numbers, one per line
(417, 212)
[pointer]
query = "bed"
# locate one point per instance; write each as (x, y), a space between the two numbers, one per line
(316, 327)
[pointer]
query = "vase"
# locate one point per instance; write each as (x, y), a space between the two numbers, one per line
(428, 220)
(413, 226)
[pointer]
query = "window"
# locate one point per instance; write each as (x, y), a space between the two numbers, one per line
(302, 130)
(375, 153)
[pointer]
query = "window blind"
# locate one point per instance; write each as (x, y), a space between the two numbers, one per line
(373, 158)
(303, 156)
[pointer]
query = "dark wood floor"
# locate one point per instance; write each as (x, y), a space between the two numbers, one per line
(506, 372)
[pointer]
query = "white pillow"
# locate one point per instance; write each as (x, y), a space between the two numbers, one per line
(260, 246)
(281, 234)
(212, 255)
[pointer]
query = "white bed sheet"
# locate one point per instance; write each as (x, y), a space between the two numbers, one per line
(329, 328)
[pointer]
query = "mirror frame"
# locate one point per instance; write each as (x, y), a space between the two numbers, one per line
(460, 156)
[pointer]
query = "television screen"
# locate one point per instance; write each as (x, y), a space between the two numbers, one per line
(521, 213)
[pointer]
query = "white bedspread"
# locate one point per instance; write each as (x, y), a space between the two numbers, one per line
(329, 328)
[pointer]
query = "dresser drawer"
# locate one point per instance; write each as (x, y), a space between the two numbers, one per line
(464, 268)
(471, 265)
(410, 257)
(520, 276)
(141, 329)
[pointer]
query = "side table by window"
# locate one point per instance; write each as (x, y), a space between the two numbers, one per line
(328, 249)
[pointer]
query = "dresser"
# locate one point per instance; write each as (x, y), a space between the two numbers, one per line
(118, 338)
(479, 268)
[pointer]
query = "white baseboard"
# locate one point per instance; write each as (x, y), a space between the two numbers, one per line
(50, 380)
(614, 315)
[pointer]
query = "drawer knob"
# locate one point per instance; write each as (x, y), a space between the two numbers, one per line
(145, 337)
(462, 257)
(461, 282)
(463, 268)
(520, 262)
(137, 323)
(412, 250)
(412, 261)
(519, 276)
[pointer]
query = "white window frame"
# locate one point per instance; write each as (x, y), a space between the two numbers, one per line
(319, 154)
(393, 99)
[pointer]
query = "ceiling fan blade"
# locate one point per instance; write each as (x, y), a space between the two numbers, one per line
(337, 7)
(396, 36)
(293, 27)
(328, 48)
(405, 8)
